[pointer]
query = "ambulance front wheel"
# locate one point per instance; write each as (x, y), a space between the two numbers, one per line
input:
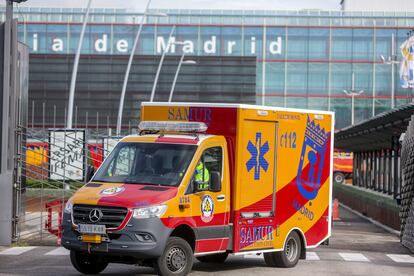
(177, 259)
(289, 257)
(87, 263)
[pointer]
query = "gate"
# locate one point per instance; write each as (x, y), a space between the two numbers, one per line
(51, 165)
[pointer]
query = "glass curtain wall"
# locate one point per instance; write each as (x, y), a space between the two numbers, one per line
(304, 59)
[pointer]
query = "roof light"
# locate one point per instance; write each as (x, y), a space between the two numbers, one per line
(173, 126)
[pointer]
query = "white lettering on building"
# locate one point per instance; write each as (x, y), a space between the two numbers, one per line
(122, 46)
(275, 47)
(188, 47)
(35, 43)
(230, 46)
(253, 46)
(57, 45)
(208, 46)
(101, 44)
(162, 46)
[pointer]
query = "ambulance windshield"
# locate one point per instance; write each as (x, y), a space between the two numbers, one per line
(146, 163)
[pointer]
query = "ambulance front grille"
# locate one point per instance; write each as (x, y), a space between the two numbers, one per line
(112, 217)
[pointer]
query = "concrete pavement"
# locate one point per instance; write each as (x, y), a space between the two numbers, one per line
(357, 247)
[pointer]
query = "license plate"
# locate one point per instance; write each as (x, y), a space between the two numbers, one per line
(91, 238)
(91, 229)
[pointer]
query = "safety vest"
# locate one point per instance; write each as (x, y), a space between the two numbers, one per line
(203, 182)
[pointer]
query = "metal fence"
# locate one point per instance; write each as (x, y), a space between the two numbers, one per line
(51, 165)
(378, 171)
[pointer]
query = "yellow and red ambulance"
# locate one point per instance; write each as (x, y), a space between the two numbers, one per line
(207, 180)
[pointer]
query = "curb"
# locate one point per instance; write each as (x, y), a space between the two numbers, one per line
(386, 228)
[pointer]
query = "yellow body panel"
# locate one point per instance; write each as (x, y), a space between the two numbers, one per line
(281, 166)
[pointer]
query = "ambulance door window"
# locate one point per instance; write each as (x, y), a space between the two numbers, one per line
(213, 160)
(210, 163)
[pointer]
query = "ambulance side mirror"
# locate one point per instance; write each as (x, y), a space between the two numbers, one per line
(215, 182)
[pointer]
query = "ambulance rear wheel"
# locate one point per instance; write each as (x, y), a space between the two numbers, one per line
(289, 257)
(86, 263)
(339, 177)
(177, 259)
(214, 258)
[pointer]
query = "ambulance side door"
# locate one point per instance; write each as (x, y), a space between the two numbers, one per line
(211, 207)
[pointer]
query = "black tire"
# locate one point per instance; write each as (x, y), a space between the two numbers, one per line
(87, 263)
(214, 258)
(339, 178)
(290, 255)
(176, 260)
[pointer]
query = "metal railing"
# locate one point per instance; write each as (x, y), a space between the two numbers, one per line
(41, 191)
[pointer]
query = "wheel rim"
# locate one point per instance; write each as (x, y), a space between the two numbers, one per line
(176, 260)
(291, 250)
(338, 178)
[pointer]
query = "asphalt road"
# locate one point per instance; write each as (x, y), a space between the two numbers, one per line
(357, 247)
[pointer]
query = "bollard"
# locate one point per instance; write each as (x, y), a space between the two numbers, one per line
(335, 210)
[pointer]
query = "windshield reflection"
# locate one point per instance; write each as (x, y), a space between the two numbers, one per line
(146, 163)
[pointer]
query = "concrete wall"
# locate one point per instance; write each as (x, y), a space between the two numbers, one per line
(372, 204)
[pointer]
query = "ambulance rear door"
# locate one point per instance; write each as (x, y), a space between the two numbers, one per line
(255, 197)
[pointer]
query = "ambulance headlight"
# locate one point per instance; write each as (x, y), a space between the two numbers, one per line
(68, 207)
(150, 212)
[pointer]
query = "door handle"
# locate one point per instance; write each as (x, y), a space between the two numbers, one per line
(221, 197)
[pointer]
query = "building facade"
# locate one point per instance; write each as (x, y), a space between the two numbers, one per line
(378, 5)
(304, 59)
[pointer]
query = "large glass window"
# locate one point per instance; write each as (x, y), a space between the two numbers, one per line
(298, 43)
(123, 38)
(383, 80)
(189, 35)
(253, 38)
(146, 41)
(383, 42)
(318, 75)
(362, 47)
(210, 43)
(232, 37)
(100, 39)
(297, 78)
(275, 77)
(341, 44)
(319, 43)
(146, 163)
(275, 43)
(341, 78)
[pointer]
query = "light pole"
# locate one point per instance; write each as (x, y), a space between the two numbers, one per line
(392, 60)
(75, 68)
(131, 58)
(182, 61)
(154, 86)
(352, 93)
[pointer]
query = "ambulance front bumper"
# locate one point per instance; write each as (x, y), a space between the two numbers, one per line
(141, 238)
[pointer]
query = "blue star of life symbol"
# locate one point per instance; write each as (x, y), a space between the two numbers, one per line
(257, 160)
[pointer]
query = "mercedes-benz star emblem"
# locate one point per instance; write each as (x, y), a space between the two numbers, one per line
(95, 215)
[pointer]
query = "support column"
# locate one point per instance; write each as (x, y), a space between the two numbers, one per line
(354, 169)
(395, 149)
(389, 160)
(6, 165)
